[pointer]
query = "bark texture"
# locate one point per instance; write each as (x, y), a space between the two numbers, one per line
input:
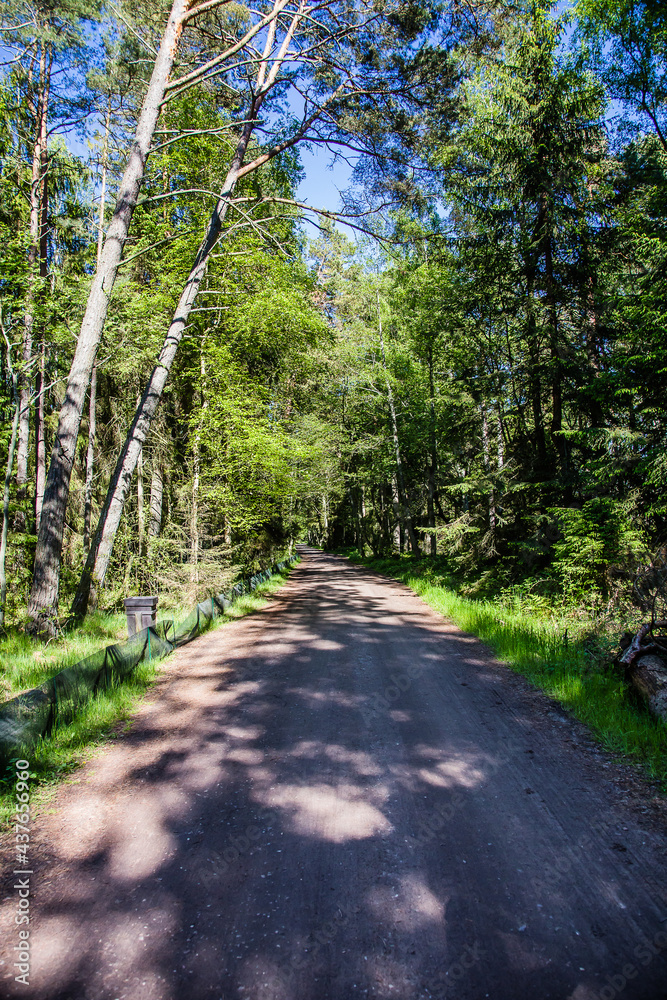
(43, 604)
(90, 461)
(649, 676)
(644, 658)
(5, 500)
(97, 563)
(155, 504)
(400, 478)
(38, 105)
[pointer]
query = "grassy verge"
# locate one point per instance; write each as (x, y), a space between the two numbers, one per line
(107, 713)
(536, 646)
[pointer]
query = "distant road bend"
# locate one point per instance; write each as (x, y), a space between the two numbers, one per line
(341, 797)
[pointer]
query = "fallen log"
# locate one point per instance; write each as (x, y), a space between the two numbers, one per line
(644, 659)
(649, 678)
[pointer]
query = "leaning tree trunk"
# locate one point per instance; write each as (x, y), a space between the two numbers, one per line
(92, 395)
(43, 604)
(97, 562)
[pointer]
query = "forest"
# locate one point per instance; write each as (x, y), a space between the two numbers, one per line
(463, 363)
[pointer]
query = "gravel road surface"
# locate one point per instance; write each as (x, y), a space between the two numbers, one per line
(339, 797)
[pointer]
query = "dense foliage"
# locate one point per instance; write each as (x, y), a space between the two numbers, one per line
(501, 373)
(484, 382)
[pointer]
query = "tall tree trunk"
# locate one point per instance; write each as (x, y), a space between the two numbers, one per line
(433, 448)
(40, 437)
(43, 604)
(556, 364)
(535, 381)
(101, 218)
(501, 439)
(385, 526)
(141, 522)
(100, 552)
(501, 457)
(361, 545)
(92, 395)
(40, 429)
(155, 504)
(592, 333)
(531, 262)
(355, 504)
(39, 106)
(194, 520)
(592, 338)
(407, 519)
(396, 507)
(8, 479)
(487, 463)
(90, 461)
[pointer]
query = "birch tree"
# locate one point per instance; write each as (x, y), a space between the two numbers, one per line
(43, 603)
(313, 48)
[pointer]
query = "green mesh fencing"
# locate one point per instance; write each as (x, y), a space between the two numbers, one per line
(33, 715)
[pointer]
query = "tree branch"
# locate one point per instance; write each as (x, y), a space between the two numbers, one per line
(190, 79)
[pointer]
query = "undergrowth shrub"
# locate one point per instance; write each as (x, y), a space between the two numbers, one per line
(598, 541)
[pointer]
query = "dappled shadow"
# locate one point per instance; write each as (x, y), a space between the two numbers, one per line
(325, 801)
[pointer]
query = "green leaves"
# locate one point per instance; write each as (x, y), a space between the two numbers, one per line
(596, 538)
(628, 43)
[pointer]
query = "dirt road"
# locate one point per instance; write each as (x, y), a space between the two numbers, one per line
(339, 797)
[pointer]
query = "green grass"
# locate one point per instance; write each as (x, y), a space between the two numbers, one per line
(108, 713)
(26, 662)
(534, 644)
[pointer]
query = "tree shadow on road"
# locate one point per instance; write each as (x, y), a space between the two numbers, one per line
(345, 803)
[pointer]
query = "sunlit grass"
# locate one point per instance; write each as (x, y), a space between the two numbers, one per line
(108, 712)
(537, 647)
(25, 662)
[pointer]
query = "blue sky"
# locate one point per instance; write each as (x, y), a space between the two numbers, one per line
(321, 183)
